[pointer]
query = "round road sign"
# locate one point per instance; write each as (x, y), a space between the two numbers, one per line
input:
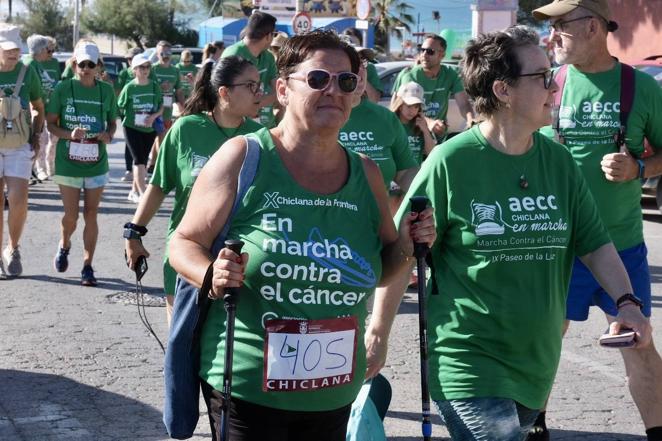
(302, 23)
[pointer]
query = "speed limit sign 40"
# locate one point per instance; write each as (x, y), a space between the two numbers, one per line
(302, 23)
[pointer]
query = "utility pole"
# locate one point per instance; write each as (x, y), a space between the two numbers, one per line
(76, 23)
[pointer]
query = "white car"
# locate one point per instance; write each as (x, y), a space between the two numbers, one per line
(388, 72)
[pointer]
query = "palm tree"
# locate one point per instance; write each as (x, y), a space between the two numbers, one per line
(391, 16)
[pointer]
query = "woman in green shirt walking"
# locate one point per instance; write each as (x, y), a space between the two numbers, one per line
(223, 100)
(408, 104)
(81, 112)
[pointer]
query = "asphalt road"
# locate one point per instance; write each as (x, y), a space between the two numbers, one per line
(76, 363)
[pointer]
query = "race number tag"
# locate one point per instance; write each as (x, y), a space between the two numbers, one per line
(303, 355)
(83, 151)
(141, 119)
(167, 100)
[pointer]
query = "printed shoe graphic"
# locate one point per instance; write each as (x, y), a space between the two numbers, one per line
(567, 117)
(487, 219)
(354, 272)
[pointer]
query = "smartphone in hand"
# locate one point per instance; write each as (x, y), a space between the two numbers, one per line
(140, 267)
(626, 338)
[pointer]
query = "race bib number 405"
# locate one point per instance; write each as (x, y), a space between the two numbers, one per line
(303, 355)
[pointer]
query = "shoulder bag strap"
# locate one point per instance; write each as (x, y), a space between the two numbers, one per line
(19, 81)
(627, 98)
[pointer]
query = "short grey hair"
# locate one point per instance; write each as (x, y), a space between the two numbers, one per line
(37, 43)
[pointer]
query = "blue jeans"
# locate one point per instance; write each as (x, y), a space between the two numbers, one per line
(486, 419)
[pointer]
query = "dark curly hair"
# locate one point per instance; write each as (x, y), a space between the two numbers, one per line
(298, 48)
(493, 57)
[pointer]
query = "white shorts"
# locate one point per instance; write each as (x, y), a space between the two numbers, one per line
(89, 182)
(16, 163)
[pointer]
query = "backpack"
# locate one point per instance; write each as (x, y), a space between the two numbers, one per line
(14, 120)
(627, 98)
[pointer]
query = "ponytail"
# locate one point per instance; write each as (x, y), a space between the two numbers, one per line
(204, 97)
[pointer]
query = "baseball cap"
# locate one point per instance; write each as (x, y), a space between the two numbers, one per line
(139, 60)
(87, 52)
(561, 7)
(10, 38)
(279, 39)
(412, 93)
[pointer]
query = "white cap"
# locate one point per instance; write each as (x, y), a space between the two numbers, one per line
(412, 93)
(10, 37)
(139, 60)
(87, 52)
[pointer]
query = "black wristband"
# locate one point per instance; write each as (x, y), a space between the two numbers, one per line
(137, 228)
(629, 297)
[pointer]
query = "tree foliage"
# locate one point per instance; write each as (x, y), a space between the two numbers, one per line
(391, 16)
(144, 22)
(524, 12)
(47, 17)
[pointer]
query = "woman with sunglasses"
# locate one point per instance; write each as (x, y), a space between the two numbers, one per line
(81, 113)
(225, 97)
(318, 238)
(513, 210)
(141, 103)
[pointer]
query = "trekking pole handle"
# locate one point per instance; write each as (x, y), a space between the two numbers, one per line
(418, 204)
(235, 246)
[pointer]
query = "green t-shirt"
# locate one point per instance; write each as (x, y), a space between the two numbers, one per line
(314, 261)
(373, 77)
(266, 66)
(416, 142)
(135, 101)
(503, 261)
(168, 79)
(123, 78)
(30, 89)
(588, 118)
(92, 108)
(187, 73)
(50, 75)
(376, 132)
(438, 90)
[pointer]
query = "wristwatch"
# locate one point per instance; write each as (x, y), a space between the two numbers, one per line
(631, 298)
(133, 231)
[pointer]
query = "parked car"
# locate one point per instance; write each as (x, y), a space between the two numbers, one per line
(652, 186)
(388, 72)
(176, 53)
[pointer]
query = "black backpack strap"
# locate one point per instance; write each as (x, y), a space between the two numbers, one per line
(627, 98)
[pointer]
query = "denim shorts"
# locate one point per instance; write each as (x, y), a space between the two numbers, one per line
(16, 163)
(585, 291)
(486, 419)
(89, 182)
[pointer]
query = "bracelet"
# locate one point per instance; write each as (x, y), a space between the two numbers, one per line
(141, 230)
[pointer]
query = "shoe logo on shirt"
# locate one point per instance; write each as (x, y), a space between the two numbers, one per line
(487, 218)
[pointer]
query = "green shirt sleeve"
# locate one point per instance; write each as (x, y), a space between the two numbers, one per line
(109, 96)
(166, 171)
(121, 100)
(653, 126)
(456, 85)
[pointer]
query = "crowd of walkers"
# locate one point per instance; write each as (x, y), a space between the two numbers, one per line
(520, 208)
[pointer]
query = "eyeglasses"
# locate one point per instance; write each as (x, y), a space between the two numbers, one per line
(427, 51)
(547, 77)
(144, 67)
(87, 63)
(252, 86)
(559, 26)
(319, 80)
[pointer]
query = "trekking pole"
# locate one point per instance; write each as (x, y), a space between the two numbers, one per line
(230, 302)
(418, 204)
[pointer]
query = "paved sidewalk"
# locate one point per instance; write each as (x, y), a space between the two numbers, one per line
(76, 363)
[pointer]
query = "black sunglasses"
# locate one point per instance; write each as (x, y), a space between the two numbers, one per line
(87, 63)
(547, 77)
(252, 86)
(319, 79)
(427, 51)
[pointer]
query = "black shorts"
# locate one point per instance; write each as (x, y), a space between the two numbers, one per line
(252, 422)
(139, 144)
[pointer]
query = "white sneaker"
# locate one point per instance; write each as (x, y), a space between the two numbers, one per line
(13, 258)
(133, 197)
(42, 175)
